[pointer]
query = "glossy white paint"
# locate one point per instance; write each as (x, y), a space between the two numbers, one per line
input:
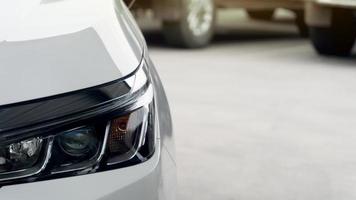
(65, 43)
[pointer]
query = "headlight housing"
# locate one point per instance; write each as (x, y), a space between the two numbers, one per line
(92, 130)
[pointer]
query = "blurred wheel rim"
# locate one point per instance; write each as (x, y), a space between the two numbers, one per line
(200, 16)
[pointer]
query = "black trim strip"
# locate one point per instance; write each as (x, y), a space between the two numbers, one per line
(18, 116)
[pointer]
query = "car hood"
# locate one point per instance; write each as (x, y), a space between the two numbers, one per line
(51, 47)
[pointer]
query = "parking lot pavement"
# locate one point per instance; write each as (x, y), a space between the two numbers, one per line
(259, 116)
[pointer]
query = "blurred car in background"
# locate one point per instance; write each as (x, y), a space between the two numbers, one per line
(332, 25)
(190, 23)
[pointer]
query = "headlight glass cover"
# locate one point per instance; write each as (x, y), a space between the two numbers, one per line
(92, 130)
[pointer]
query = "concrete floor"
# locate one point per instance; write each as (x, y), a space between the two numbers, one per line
(259, 116)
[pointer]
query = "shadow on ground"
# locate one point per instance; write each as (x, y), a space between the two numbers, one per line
(155, 38)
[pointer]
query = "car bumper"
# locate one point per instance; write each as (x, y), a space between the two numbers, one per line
(152, 180)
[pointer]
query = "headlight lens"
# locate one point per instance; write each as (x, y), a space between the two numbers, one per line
(116, 130)
(80, 142)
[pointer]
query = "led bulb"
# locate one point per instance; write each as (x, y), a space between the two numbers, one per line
(25, 149)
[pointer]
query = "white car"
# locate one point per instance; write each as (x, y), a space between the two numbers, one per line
(83, 114)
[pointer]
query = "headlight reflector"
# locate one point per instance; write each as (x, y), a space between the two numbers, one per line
(127, 135)
(21, 155)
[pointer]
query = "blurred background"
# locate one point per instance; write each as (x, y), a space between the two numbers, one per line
(258, 114)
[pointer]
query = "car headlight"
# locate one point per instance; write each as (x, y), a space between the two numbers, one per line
(87, 131)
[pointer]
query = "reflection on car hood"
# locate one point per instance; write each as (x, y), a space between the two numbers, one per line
(54, 47)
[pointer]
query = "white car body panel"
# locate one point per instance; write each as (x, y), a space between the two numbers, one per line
(86, 27)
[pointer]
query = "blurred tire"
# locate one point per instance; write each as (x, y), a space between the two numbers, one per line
(339, 38)
(261, 14)
(196, 27)
(301, 24)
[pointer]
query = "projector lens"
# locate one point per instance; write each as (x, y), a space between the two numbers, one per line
(79, 142)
